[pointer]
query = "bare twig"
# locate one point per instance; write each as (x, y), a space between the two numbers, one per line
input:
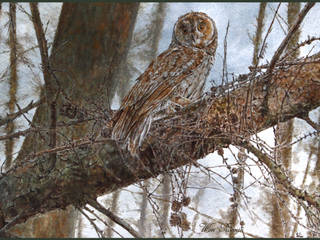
(262, 50)
(91, 221)
(13, 116)
(302, 44)
(310, 134)
(10, 224)
(249, 95)
(115, 218)
(25, 117)
(225, 70)
(24, 11)
(17, 134)
(38, 129)
(104, 222)
(280, 175)
(292, 30)
(279, 18)
(286, 64)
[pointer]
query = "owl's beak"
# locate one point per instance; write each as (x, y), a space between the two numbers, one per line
(193, 38)
(196, 38)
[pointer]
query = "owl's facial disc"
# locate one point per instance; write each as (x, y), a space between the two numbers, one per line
(195, 29)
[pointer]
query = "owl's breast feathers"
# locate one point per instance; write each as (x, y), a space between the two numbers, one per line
(179, 71)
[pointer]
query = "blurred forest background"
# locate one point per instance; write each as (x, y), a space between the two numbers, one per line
(225, 195)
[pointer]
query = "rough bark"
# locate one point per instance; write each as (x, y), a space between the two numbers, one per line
(90, 43)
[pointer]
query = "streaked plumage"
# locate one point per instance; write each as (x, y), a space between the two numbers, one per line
(176, 77)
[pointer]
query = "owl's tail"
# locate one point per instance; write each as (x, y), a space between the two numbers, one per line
(131, 128)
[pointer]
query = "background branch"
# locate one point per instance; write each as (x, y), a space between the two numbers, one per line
(118, 220)
(281, 176)
(12, 116)
(292, 30)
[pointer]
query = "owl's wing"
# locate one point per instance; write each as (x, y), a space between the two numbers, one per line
(152, 88)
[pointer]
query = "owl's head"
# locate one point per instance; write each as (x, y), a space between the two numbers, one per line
(196, 29)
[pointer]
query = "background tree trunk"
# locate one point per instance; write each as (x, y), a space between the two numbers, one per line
(281, 224)
(91, 41)
(13, 81)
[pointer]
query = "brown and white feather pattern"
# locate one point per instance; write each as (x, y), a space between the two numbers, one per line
(177, 74)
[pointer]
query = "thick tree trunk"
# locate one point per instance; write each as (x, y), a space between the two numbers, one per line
(90, 44)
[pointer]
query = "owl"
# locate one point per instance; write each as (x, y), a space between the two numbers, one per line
(174, 79)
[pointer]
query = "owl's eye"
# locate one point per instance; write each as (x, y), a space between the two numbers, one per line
(201, 26)
(183, 28)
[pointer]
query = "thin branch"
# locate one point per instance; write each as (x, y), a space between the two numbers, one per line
(104, 222)
(13, 222)
(292, 30)
(225, 44)
(113, 217)
(41, 39)
(91, 221)
(13, 116)
(279, 19)
(38, 129)
(257, 60)
(313, 124)
(25, 117)
(286, 64)
(17, 134)
(301, 44)
(305, 175)
(304, 136)
(280, 175)
(262, 50)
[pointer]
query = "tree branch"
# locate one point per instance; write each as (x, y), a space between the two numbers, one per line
(121, 222)
(292, 30)
(278, 172)
(313, 124)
